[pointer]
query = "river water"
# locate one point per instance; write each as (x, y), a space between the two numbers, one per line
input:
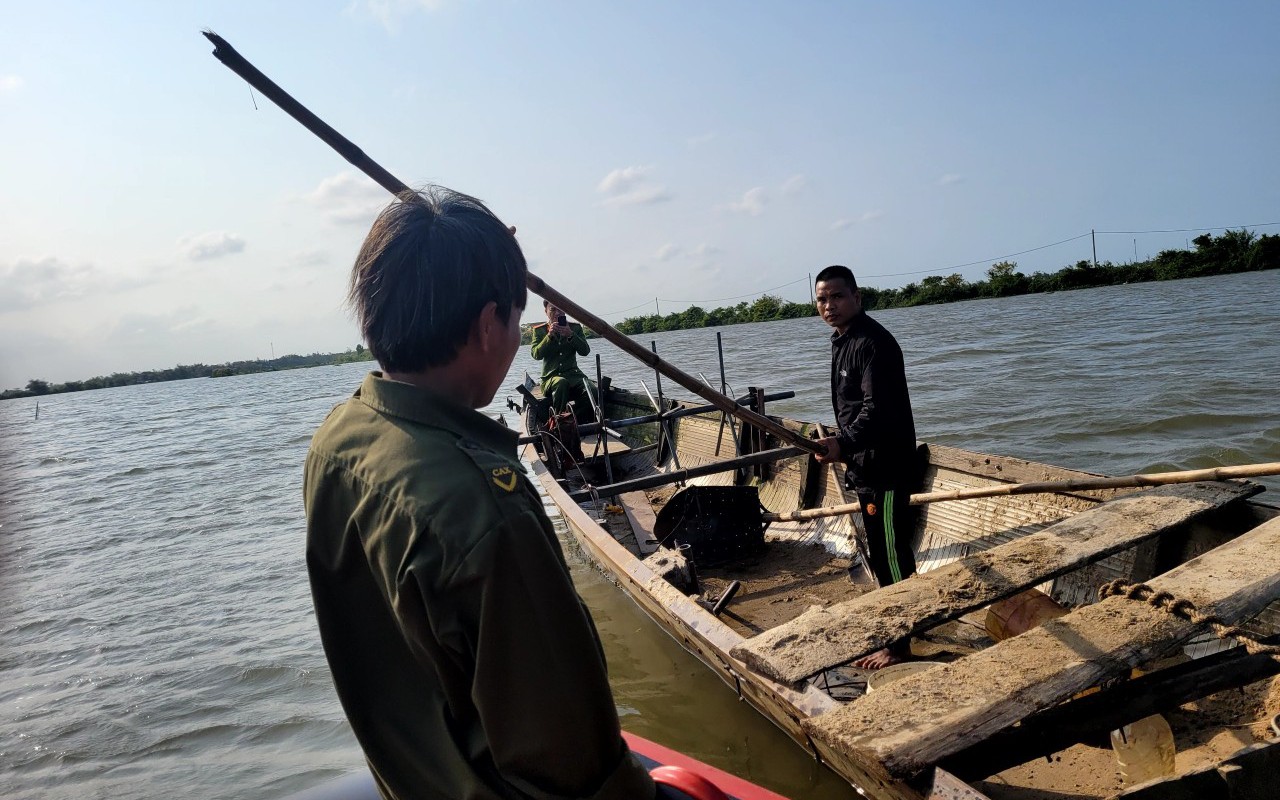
(156, 634)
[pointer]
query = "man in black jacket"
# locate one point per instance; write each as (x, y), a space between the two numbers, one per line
(876, 436)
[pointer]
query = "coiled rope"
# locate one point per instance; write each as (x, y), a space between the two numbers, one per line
(1185, 609)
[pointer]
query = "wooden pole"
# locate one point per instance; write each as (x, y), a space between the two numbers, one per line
(682, 475)
(237, 63)
(594, 427)
(1048, 487)
(603, 438)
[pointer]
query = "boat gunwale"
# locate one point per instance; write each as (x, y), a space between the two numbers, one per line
(710, 640)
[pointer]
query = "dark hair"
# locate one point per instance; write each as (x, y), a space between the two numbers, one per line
(428, 266)
(835, 271)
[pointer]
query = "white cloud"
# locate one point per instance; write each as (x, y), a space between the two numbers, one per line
(623, 179)
(752, 202)
(211, 245)
(667, 252)
(308, 258)
(10, 83)
(794, 185)
(705, 249)
(141, 328)
(844, 222)
(348, 198)
(27, 284)
(390, 12)
(640, 197)
(950, 179)
(627, 186)
(697, 141)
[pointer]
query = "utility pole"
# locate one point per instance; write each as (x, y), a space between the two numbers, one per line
(656, 308)
(811, 300)
(1094, 235)
(273, 350)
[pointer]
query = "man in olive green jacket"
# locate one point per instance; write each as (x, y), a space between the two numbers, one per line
(557, 344)
(466, 663)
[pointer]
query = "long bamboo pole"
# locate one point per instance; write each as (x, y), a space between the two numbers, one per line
(1045, 487)
(238, 64)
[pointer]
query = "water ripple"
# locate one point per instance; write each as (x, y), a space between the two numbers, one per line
(157, 626)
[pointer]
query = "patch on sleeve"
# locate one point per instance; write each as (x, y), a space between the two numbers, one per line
(504, 478)
(502, 474)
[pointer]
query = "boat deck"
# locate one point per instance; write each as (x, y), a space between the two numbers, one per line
(801, 583)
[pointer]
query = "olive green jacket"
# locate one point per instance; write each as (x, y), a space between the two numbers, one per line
(465, 661)
(559, 356)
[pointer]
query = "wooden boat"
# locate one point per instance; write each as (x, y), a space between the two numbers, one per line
(780, 621)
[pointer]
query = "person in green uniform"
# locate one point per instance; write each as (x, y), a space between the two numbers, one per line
(557, 343)
(463, 657)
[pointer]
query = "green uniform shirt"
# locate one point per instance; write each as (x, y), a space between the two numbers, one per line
(465, 661)
(559, 356)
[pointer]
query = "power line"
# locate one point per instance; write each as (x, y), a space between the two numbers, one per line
(740, 296)
(979, 261)
(1193, 230)
(720, 300)
(935, 270)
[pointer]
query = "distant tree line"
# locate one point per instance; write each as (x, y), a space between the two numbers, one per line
(762, 309)
(37, 387)
(1233, 251)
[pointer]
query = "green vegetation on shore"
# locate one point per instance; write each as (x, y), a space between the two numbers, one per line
(1233, 251)
(37, 388)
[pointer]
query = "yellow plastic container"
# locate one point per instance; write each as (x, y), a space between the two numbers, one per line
(882, 677)
(1144, 750)
(1020, 613)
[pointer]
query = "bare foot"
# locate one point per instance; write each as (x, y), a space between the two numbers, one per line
(878, 660)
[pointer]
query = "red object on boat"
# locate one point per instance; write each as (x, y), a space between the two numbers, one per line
(691, 783)
(695, 773)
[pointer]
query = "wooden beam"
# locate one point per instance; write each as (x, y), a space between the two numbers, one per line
(663, 478)
(920, 720)
(1248, 774)
(823, 638)
(640, 514)
(1062, 726)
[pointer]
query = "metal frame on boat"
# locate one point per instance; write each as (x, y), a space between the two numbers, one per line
(896, 754)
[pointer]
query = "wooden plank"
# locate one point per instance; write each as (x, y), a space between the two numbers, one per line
(591, 444)
(916, 722)
(948, 787)
(710, 639)
(1060, 727)
(1248, 774)
(823, 638)
(640, 514)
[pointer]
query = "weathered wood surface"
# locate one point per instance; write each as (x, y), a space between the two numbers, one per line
(1048, 487)
(1062, 726)
(592, 444)
(917, 722)
(948, 787)
(1252, 773)
(664, 478)
(710, 640)
(823, 638)
(640, 514)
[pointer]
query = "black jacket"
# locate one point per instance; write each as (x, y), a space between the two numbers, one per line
(877, 433)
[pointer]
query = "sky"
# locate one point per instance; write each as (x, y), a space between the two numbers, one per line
(154, 211)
